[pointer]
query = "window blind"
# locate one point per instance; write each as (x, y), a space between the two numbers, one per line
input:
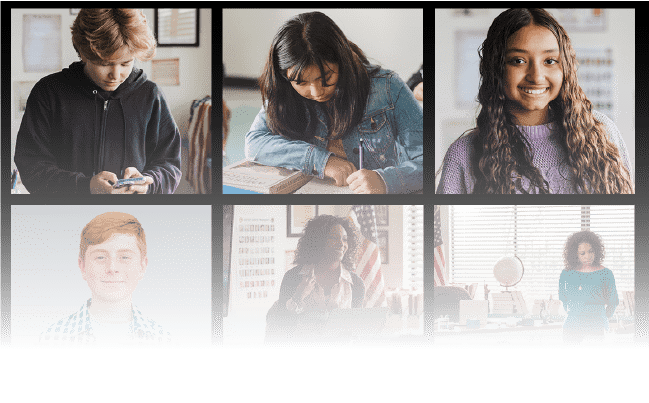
(413, 247)
(177, 25)
(480, 235)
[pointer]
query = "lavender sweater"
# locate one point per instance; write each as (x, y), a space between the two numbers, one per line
(547, 153)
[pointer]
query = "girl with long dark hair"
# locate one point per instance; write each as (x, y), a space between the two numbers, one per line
(321, 96)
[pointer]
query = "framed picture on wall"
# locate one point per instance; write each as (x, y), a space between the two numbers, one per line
(297, 217)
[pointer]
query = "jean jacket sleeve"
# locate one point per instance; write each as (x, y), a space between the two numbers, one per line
(408, 175)
(268, 148)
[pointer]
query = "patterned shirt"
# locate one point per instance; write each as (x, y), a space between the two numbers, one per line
(77, 329)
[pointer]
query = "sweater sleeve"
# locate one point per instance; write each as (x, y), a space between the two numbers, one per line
(456, 175)
(563, 287)
(162, 148)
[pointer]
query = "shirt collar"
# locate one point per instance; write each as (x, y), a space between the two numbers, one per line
(140, 326)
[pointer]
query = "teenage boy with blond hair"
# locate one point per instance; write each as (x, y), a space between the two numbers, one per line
(100, 119)
(112, 260)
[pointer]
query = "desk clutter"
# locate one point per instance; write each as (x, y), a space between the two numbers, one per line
(405, 302)
(406, 308)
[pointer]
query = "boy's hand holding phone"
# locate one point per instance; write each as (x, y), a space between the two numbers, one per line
(138, 187)
(103, 182)
(133, 182)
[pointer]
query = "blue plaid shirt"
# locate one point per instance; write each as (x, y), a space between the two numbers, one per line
(77, 328)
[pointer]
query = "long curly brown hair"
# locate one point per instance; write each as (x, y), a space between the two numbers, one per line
(570, 249)
(502, 154)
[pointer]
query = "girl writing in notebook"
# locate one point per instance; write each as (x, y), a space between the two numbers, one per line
(321, 97)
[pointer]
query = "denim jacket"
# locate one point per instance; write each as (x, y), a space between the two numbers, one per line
(392, 132)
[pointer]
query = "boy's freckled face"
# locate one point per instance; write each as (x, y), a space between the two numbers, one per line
(114, 268)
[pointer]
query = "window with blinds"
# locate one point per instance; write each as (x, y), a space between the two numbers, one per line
(480, 235)
(176, 25)
(413, 247)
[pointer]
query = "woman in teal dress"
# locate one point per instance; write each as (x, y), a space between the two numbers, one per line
(586, 288)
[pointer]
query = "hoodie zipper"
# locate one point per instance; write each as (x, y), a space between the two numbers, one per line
(102, 137)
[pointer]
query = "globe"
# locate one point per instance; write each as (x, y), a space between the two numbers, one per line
(508, 271)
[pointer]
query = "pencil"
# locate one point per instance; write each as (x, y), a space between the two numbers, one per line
(360, 153)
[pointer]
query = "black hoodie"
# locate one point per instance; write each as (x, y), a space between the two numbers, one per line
(61, 142)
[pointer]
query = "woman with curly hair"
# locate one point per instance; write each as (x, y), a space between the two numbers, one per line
(586, 288)
(536, 131)
(322, 280)
(328, 112)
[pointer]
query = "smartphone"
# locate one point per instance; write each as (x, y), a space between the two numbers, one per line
(130, 181)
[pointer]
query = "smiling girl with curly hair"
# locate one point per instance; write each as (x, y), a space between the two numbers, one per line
(586, 288)
(536, 131)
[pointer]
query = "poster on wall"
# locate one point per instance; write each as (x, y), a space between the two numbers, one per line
(255, 263)
(41, 43)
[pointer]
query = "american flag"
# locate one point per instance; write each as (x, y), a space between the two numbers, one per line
(440, 266)
(368, 259)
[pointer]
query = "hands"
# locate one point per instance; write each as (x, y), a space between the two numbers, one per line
(419, 91)
(339, 169)
(367, 182)
(304, 288)
(131, 172)
(345, 173)
(103, 182)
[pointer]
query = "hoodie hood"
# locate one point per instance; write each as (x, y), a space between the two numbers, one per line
(76, 74)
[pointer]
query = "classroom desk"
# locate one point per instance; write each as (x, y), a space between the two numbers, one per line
(402, 330)
(539, 334)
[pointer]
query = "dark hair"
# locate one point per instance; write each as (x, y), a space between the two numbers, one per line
(570, 258)
(306, 40)
(310, 246)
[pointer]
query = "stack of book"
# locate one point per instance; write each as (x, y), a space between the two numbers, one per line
(509, 303)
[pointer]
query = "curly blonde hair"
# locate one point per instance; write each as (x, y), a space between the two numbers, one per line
(502, 154)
